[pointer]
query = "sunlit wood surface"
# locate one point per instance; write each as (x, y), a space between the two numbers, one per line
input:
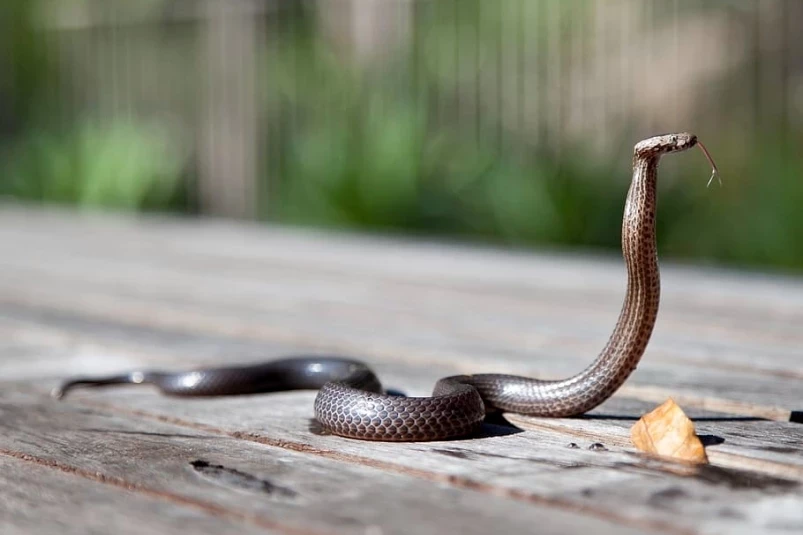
(104, 294)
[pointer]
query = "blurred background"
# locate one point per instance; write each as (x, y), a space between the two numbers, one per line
(508, 122)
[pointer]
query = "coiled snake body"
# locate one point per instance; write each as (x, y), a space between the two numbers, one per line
(351, 401)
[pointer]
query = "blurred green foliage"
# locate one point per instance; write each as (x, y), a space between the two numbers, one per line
(24, 67)
(123, 165)
(364, 152)
(379, 165)
(352, 148)
(755, 219)
(371, 156)
(49, 155)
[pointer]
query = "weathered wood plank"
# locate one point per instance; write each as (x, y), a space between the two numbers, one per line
(534, 277)
(265, 485)
(366, 335)
(538, 465)
(44, 499)
(544, 292)
(102, 294)
(145, 349)
(250, 247)
(546, 344)
(126, 348)
(523, 466)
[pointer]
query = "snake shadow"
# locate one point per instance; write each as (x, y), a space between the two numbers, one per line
(496, 425)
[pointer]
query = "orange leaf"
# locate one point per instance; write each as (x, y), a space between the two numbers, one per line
(668, 432)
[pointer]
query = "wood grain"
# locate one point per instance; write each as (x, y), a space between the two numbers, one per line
(35, 498)
(101, 294)
(264, 485)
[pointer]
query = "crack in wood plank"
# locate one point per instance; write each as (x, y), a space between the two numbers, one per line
(231, 477)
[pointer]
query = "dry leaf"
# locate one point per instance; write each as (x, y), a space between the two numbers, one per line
(668, 432)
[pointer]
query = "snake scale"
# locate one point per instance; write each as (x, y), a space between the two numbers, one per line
(351, 401)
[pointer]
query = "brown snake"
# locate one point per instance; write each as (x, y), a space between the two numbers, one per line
(351, 402)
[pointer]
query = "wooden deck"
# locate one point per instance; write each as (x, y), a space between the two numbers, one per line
(101, 294)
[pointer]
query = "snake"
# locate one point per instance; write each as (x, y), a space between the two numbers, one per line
(352, 403)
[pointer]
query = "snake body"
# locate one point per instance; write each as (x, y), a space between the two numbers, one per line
(351, 402)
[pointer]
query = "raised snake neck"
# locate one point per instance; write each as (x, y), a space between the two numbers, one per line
(350, 401)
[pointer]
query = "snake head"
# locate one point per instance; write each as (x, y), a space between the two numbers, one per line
(664, 144)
